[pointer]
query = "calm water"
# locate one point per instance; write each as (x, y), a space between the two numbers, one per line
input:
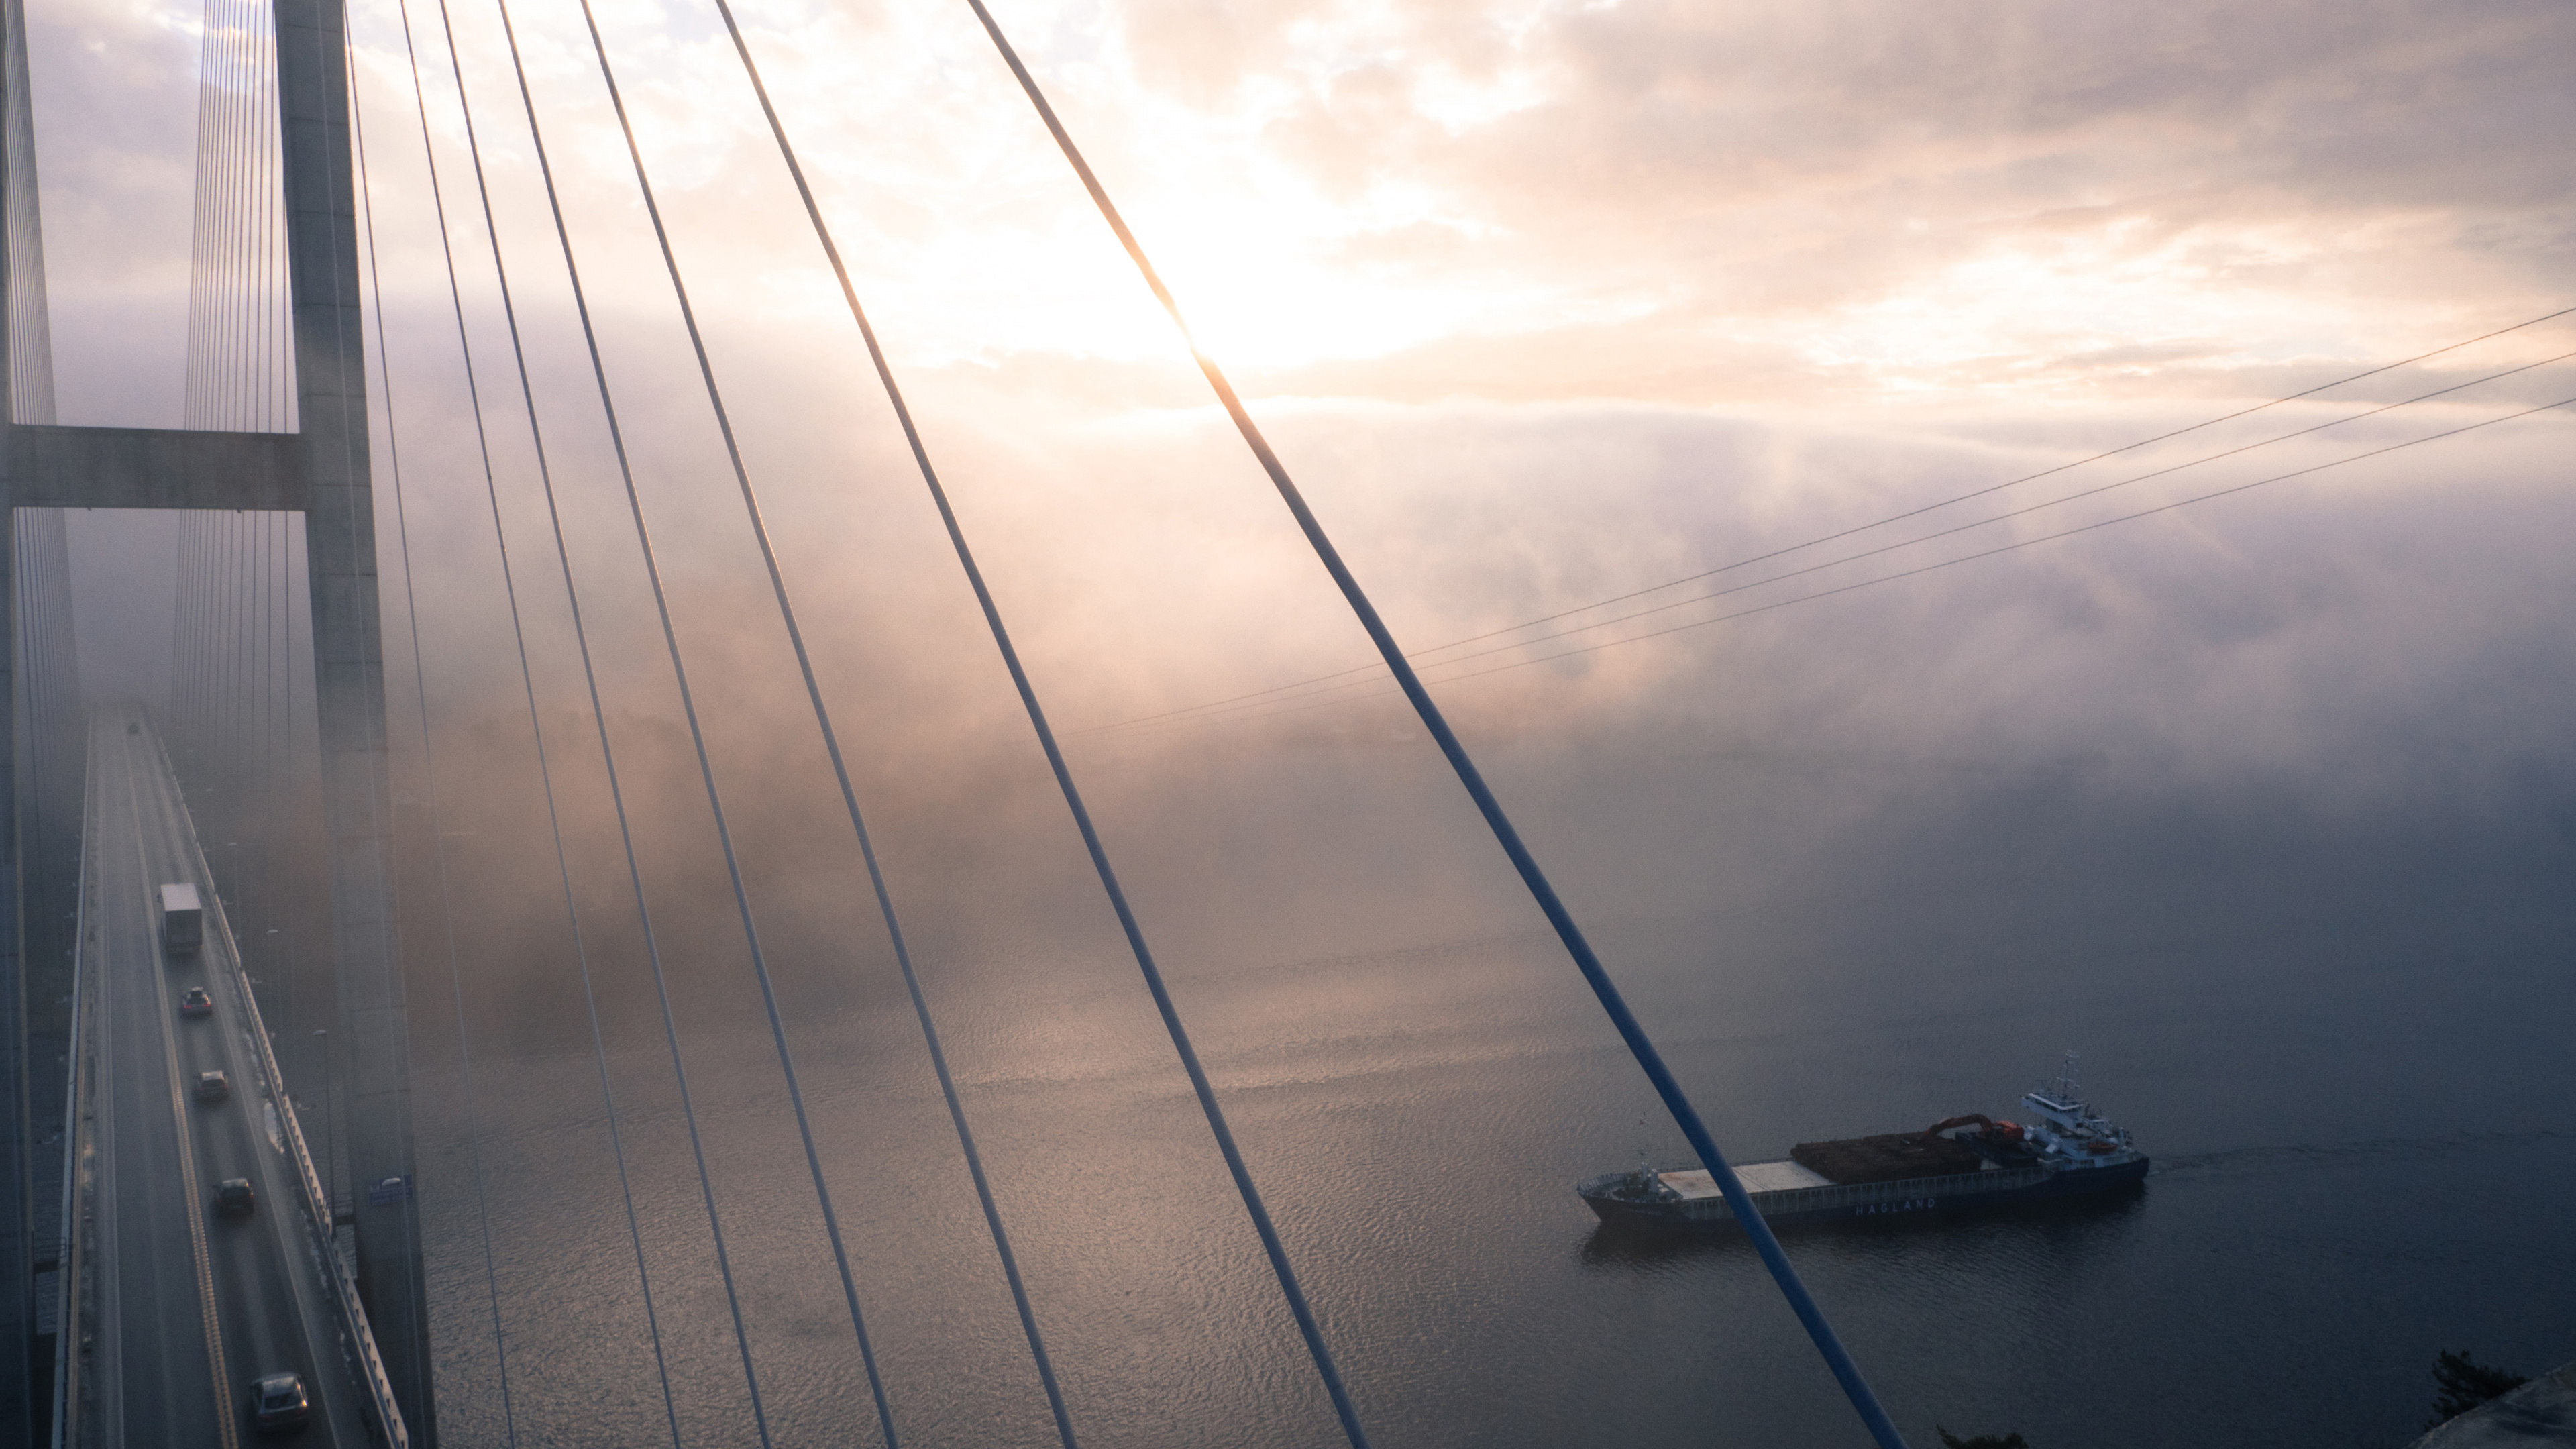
(2354, 1076)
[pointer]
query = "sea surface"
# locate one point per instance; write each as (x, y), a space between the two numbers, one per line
(2354, 1073)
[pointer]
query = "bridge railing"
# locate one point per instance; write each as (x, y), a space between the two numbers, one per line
(384, 1414)
(68, 1328)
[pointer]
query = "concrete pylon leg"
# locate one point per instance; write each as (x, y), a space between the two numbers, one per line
(348, 663)
(17, 1217)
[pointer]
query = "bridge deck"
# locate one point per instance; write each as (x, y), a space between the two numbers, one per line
(188, 1306)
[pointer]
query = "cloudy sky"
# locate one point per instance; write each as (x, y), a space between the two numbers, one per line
(1675, 327)
(1544, 303)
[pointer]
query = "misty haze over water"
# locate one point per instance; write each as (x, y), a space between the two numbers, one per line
(2266, 805)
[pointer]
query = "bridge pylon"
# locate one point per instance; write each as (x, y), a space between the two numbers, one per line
(321, 471)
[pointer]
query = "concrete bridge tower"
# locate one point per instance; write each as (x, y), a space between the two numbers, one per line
(322, 472)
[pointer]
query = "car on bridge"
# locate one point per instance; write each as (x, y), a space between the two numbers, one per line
(278, 1403)
(196, 1002)
(213, 1087)
(233, 1198)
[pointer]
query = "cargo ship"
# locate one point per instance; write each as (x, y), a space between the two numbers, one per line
(2065, 1149)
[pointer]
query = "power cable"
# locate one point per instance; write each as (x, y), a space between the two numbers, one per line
(429, 753)
(689, 711)
(1765, 1242)
(608, 755)
(832, 745)
(1423, 655)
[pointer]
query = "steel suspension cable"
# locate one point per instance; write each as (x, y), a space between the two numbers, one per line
(255, 738)
(545, 771)
(273, 610)
(608, 755)
(1667, 1086)
(278, 793)
(183, 609)
(1261, 709)
(1272, 1246)
(697, 733)
(266, 197)
(228, 561)
(429, 751)
(199, 329)
(2019, 544)
(199, 615)
(246, 200)
(195, 635)
(178, 617)
(840, 767)
(228, 237)
(1422, 656)
(240, 335)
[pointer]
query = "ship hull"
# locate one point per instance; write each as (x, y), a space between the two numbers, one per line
(1957, 1192)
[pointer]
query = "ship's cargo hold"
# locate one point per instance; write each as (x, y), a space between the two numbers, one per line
(1886, 1158)
(183, 920)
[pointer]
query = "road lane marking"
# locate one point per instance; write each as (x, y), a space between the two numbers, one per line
(187, 1161)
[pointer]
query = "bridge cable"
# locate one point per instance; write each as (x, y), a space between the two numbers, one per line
(616, 789)
(221, 699)
(272, 539)
(234, 153)
(1864, 1401)
(428, 744)
(178, 620)
(201, 272)
(2019, 544)
(216, 185)
(273, 817)
(1251, 711)
(689, 710)
(228, 235)
(199, 303)
(202, 693)
(832, 746)
(1271, 1245)
(182, 673)
(1422, 655)
(271, 201)
(198, 606)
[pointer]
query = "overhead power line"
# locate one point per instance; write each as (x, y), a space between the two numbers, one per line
(1423, 655)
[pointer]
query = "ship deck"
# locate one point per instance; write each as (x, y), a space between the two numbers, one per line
(1697, 1183)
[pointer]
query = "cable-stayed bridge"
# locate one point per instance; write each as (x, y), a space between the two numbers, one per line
(138, 1311)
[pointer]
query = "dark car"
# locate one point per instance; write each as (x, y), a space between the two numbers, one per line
(233, 1197)
(278, 1402)
(211, 1087)
(196, 1002)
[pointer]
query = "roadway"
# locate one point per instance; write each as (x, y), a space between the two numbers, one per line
(190, 1306)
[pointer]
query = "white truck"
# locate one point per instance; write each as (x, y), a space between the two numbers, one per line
(183, 920)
